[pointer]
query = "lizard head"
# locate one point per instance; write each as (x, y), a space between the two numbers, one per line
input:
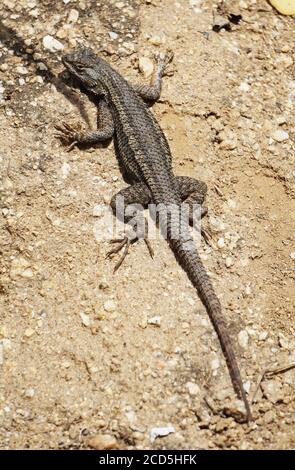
(84, 65)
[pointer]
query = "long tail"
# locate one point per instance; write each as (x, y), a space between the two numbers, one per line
(189, 259)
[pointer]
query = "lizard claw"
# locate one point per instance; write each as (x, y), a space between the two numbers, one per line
(67, 134)
(125, 243)
(163, 60)
(122, 243)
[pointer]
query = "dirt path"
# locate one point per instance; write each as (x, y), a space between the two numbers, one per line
(80, 351)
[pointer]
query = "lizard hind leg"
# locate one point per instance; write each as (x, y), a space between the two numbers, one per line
(127, 206)
(193, 192)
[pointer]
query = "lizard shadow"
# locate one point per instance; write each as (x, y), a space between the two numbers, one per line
(11, 39)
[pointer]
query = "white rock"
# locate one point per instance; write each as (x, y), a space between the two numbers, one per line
(228, 140)
(215, 364)
(146, 66)
(263, 335)
(292, 255)
(281, 119)
(85, 319)
(248, 290)
(110, 306)
(228, 262)
(52, 44)
(27, 273)
(160, 432)
(21, 70)
(216, 224)
(244, 86)
(155, 320)
(29, 393)
(42, 66)
(113, 35)
(97, 211)
(65, 169)
(6, 343)
(272, 390)
(193, 388)
(73, 16)
(280, 135)
(221, 243)
(20, 267)
(243, 339)
(247, 386)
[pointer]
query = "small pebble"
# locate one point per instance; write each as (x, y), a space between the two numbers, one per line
(110, 306)
(244, 86)
(97, 211)
(243, 339)
(146, 66)
(41, 66)
(285, 343)
(193, 388)
(155, 320)
(113, 35)
(29, 332)
(20, 267)
(52, 44)
(65, 169)
(280, 135)
(29, 393)
(160, 432)
(21, 70)
(228, 262)
(215, 364)
(3, 67)
(85, 319)
(248, 290)
(73, 16)
(263, 336)
(281, 120)
(272, 390)
(103, 442)
(221, 243)
(236, 410)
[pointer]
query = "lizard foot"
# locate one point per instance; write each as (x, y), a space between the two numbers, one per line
(125, 243)
(67, 134)
(163, 60)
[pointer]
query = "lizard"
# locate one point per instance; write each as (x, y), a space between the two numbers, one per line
(145, 160)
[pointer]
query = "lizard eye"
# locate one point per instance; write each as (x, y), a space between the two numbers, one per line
(80, 67)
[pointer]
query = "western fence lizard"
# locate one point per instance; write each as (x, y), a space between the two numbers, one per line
(145, 160)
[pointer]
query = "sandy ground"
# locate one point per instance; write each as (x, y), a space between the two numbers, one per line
(80, 353)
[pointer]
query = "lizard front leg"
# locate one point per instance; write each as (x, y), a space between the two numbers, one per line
(152, 92)
(127, 206)
(104, 131)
